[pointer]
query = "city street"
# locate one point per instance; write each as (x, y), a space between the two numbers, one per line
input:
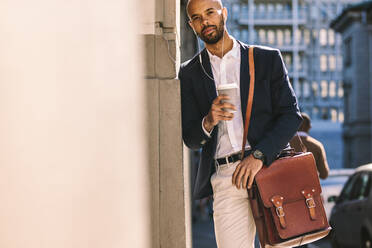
(203, 236)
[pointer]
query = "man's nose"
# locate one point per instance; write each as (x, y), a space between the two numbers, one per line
(204, 21)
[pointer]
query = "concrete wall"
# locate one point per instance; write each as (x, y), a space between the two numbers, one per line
(357, 127)
(170, 194)
(73, 147)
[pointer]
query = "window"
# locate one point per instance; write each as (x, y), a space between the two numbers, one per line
(325, 114)
(360, 187)
(255, 36)
(331, 37)
(244, 35)
(244, 11)
(279, 37)
(298, 36)
(288, 61)
(279, 7)
(332, 89)
(314, 88)
(262, 35)
(324, 88)
(332, 62)
(314, 12)
(338, 38)
(341, 116)
(306, 89)
(340, 90)
(307, 36)
(270, 8)
(315, 34)
(346, 191)
(287, 36)
(271, 37)
(261, 8)
(323, 37)
(315, 113)
(323, 62)
(347, 52)
(339, 62)
(334, 115)
(236, 34)
(298, 89)
(235, 11)
(300, 63)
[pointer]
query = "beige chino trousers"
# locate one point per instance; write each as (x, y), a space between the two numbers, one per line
(233, 221)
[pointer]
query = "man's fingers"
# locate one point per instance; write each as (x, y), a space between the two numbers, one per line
(223, 116)
(227, 118)
(245, 180)
(223, 113)
(250, 182)
(218, 99)
(237, 169)
(227, 114)
(227, 105)
(239, 177)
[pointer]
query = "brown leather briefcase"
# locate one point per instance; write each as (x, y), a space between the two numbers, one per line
(286, 202)
(285, 197)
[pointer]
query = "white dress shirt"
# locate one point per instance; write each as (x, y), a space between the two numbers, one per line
(226, 70)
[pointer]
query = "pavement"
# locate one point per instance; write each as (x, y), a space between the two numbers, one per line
(203, 236)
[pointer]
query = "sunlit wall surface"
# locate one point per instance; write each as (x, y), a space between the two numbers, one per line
(73, 165)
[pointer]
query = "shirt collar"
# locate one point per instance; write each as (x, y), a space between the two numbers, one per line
(234, 52)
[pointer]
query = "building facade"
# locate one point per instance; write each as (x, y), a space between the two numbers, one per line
(355, 25)
(311, 50)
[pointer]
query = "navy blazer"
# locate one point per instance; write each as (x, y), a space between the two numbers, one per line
(275, 113)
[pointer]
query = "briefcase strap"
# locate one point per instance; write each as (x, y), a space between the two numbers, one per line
(250, 99)
(250, 103)
(303, 147)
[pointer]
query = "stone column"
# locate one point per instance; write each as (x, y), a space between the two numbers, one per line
(171, 222)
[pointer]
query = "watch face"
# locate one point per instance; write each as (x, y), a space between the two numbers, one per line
(258, 154)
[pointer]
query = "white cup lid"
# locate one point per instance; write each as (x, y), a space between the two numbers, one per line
(227, 86)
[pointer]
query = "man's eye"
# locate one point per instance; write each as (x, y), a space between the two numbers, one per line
(196, 18)
(210, 12)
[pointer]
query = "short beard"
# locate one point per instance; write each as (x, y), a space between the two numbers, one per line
(219, 33)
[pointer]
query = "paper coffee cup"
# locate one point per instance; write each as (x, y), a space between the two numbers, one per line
(230, 90)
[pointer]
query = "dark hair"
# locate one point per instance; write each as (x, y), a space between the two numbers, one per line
(306, 123)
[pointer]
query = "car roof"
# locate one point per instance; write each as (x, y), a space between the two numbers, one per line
(341, 172)
(366, 167)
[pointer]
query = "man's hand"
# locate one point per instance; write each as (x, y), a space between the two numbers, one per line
(218, 112)
(245, 172)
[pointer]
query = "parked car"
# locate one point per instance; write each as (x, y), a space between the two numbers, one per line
(351, 217)
(332, 185)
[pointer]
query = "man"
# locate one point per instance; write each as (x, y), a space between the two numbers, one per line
(311, 145)
(208, 124)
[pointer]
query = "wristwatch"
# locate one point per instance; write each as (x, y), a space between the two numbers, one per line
(259, 155)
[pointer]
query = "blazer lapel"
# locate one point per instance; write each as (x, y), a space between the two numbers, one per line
(209, 84)
(244, 78)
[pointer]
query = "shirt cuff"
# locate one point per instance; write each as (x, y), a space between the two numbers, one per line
(205, 131)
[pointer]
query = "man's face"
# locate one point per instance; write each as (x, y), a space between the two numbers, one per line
(207, 19)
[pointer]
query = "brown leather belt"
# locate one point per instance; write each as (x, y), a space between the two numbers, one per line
(232, 158)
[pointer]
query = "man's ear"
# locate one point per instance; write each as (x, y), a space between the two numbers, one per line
(192, 27)
(224, 14)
